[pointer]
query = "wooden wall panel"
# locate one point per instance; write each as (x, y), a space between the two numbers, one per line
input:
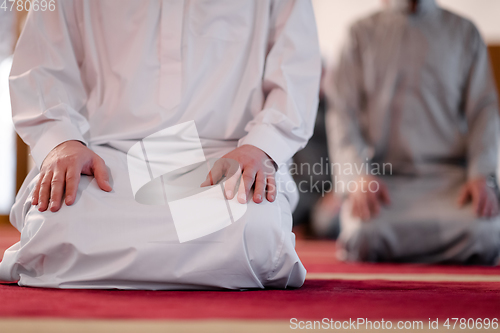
(494, 50)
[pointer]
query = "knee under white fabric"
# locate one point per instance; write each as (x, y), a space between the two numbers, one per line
(108, 240)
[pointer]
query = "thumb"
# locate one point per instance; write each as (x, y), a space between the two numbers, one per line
(464, 195)
(101, 174)
(208, 181)
(384, 194)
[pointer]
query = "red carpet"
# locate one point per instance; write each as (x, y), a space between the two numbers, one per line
(319, 257)
(317, 299)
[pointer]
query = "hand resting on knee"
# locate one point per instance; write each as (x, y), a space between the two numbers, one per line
(370, 194)
(60, 175)
(256, 169)
(484, 199)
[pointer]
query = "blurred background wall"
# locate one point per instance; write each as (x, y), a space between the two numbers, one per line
(334, 17)
(7, 135)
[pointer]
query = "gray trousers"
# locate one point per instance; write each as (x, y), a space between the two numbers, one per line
(423, 224)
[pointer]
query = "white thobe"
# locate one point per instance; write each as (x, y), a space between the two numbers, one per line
(413, 98)
(110, 73)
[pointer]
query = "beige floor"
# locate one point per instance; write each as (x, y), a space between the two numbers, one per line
(427, 277)
(28, 325)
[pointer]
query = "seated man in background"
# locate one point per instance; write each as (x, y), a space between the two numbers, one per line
(413, 132)
(316, 214)
(93, 81)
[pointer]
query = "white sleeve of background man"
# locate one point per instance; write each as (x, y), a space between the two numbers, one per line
(346, 97)
(46, 91)
(290, 83)
(481, 112)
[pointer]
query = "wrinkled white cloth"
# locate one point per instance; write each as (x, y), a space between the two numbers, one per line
(110, 73)
(413, 99)
(109, 240)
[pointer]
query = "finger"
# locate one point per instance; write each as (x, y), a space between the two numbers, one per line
(463, 196)
(260, 187)
(246, 183)
(208, 181)
(363, 210)
(383, 194)
(36, 191)
(101, 174)
(492, 204)
(230, 184)
(72, 182)
(271, 188)
(373, 204)
(215, 174)
(488, 207)
(355, 209)
(489, 213)
(478, 201)
(57, 190)
(44, 193)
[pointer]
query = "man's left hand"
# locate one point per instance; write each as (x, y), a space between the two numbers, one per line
(256, 169)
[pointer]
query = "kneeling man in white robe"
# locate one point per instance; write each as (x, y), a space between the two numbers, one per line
(126, 106)
(413, 131)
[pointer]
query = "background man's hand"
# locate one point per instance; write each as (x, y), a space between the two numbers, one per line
(367, 199)
(255, 168)
(484, 200)
(60, 174)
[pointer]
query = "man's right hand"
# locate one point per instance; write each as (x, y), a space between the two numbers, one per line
(484, 199)
(370, 193)
(60, 174)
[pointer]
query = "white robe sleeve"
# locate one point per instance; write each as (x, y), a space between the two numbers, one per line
(46, 90)
(290, 83)
(481, 112)
(346, 100)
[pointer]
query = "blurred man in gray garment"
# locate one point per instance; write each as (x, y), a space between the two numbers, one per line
(413, 134)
